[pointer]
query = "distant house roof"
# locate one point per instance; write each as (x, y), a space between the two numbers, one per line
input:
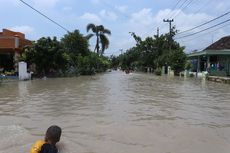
(10, 33)
(11, 41)
(221, 44)
(220, 47)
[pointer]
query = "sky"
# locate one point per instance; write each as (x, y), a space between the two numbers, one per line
(121, 17)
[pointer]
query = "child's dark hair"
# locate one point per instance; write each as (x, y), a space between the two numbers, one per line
(53, 133)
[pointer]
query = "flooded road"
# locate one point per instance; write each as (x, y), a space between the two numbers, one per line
(117, 113)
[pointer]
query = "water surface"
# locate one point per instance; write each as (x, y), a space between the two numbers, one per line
(117, 113)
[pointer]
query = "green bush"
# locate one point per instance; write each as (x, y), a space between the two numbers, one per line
(158, 71)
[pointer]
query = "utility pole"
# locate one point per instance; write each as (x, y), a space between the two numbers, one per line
(121, 50)
(170, 32)
(157, 32)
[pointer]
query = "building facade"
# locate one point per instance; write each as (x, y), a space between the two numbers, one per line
(11, 48)
(215, 59)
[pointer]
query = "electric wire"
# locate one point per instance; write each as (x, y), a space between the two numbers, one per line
(176, 4)
(206, 33)
(178, 8)
(44, 15)
(162, 24)
(174, 7)
(203, 6)
(197, 11)
(205, 23)
(183, 8)
(174, 14)
(204, 29)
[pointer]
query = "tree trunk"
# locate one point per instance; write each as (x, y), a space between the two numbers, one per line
(97, 44)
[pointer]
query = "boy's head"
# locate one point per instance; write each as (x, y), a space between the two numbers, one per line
(53, 134)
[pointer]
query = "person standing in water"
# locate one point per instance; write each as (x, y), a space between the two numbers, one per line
(53, 135)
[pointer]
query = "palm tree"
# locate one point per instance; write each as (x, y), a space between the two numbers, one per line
(102, 42)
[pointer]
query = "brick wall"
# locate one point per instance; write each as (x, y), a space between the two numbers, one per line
(12, 40)
(8, 42)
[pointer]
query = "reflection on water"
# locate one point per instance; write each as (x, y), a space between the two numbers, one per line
(117, 113)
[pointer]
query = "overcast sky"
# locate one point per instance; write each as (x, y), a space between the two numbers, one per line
(121, 17)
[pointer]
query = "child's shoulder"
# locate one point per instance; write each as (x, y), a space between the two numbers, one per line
(36, 147)
(49, 148)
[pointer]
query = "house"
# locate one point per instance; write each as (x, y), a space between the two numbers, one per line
(215, 59)
(11, 47)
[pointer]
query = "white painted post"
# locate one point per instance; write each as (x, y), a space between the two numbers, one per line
(163, 70)
(169, 70)
(22, 71)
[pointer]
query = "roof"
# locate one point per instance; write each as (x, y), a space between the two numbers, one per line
(220, 47)
(11, 41)
(9, 33)
(210, 52)
(221, 44)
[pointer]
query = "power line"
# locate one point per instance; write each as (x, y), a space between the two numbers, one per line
(174, 14)
(206, 4)
(179, 8)
(207, 33)
(174, 7)
(161, 24)
(183, 8)
(204, 29)
(176, 4)
(44, 15)
(197, 11)
(204, 23)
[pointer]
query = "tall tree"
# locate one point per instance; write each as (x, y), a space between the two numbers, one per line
(154, 52)
(75, 43)
(102, 42)
(47, 54)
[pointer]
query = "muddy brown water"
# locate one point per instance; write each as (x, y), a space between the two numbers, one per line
(117, 113)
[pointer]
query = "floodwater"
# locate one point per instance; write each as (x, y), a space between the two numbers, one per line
(117, 113)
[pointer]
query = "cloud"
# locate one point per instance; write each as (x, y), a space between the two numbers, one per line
(23, 29)
(91, 17)
(144, 23)
(192, 20)
(163, 14)
(122, 9)
(143, 17)
(108, 15)
(141, 22)
(185, 21)
(123, 44)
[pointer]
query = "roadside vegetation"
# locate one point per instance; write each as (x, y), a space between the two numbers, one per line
(152, 52)
(69, 56)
